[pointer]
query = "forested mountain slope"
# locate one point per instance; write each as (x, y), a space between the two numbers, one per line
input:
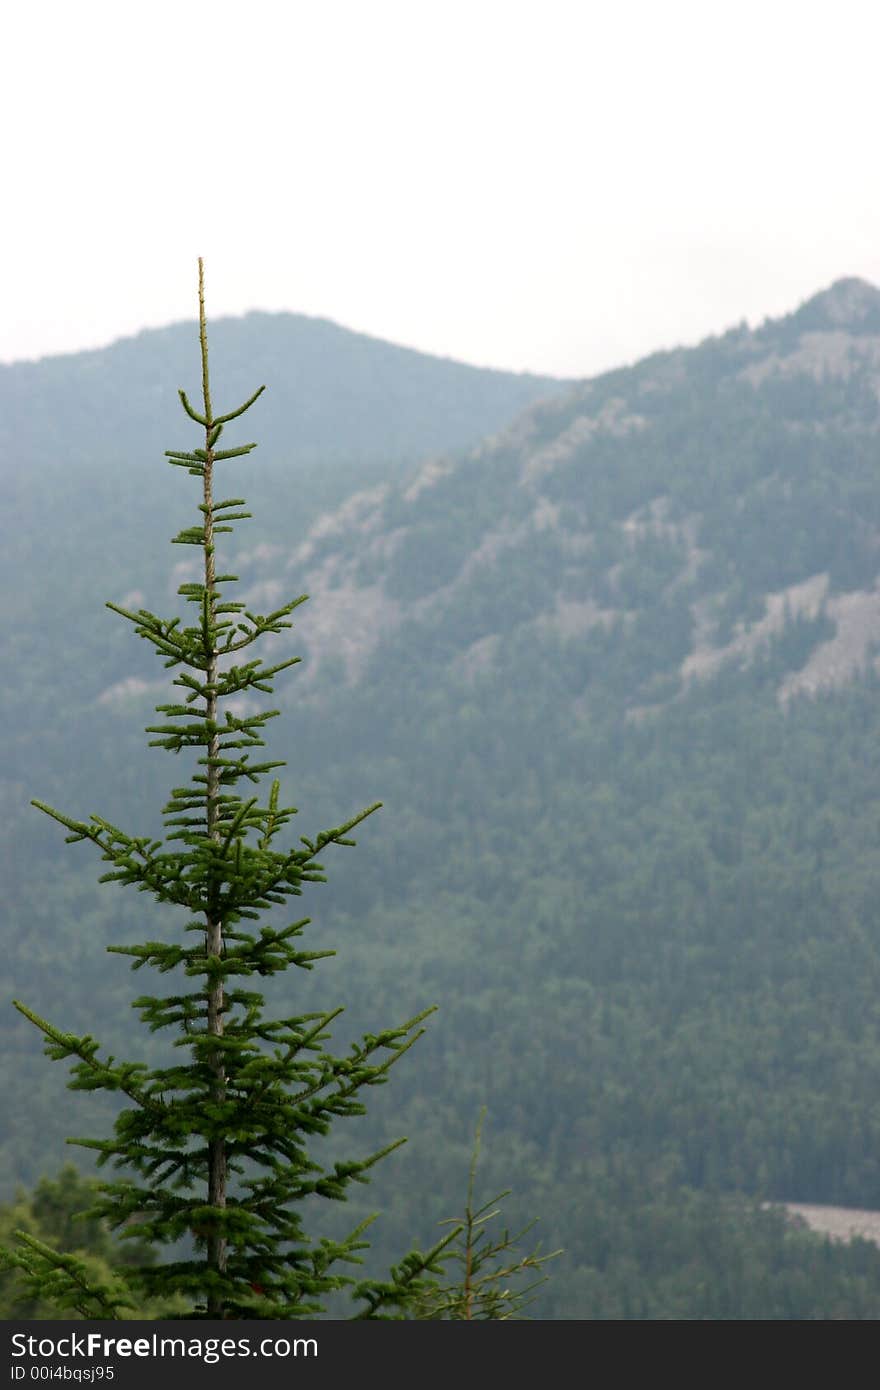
(613, 675)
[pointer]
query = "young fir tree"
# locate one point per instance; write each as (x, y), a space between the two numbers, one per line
(216, 1147)
(488, 1266)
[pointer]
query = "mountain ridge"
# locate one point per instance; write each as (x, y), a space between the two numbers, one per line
(849, 301)
(161, 334)
(333, 393)
(617, 410)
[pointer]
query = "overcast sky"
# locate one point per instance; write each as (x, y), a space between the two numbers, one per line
(530, 184)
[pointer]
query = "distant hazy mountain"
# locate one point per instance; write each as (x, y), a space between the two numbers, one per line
(711, 495)
(613, 672)
(332, 394)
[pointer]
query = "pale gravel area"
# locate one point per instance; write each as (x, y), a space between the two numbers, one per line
(840, 1223)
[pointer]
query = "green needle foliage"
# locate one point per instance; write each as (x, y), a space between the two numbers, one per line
(216, 1147)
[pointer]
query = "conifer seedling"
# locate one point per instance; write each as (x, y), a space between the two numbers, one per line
(212, 1154)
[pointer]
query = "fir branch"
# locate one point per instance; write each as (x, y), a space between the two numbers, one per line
(406, 1282)
(60, 1046)
(64, 1280)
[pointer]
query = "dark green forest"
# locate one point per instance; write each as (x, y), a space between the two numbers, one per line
(630, 825)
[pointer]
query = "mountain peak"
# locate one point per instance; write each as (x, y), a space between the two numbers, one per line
(850, 303)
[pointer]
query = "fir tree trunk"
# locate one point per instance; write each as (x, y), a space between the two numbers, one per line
(213, 925)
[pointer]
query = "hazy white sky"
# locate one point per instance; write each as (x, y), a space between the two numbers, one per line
(553, 185)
